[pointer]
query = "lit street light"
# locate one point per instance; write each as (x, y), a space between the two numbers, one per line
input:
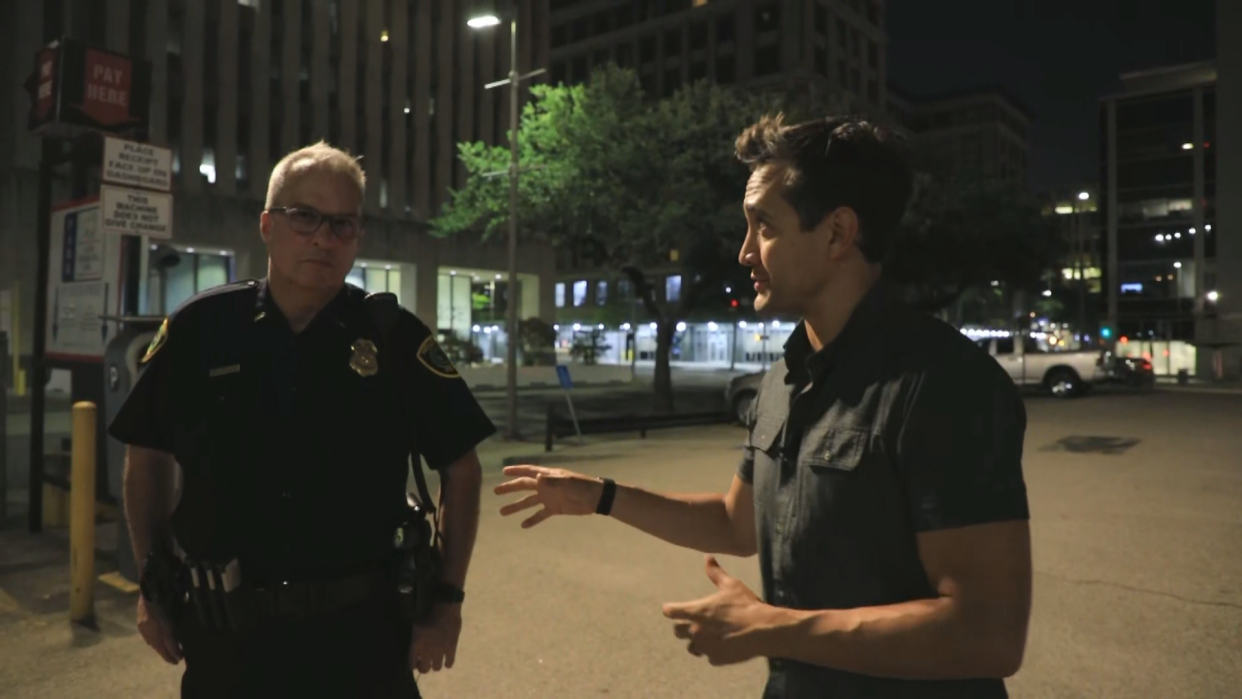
(514, 80)
(1083, 196)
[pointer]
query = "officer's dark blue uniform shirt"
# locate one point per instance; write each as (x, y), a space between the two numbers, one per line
(294, 447)
(901, 425)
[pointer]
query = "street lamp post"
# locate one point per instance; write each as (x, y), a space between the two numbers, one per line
(1080, 263)
(511, 323)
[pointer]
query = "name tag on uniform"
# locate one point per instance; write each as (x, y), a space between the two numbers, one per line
(224, 370)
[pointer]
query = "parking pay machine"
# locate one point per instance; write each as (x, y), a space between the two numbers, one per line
(121, 371)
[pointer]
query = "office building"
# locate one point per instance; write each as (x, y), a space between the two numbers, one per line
(829, 49)
(1074, 285)
(979, 132)
(1171, 266)
(239, 83)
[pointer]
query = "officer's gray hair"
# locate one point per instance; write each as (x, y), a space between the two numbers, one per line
(317, 157)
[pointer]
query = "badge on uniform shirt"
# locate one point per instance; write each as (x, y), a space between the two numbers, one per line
(436, 361)
(161, 336)
(364, 360)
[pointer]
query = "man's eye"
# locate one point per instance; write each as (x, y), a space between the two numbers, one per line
(305, 218)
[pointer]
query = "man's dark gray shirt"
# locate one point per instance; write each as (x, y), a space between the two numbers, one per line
(901, 425)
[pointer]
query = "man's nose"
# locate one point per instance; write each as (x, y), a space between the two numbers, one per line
(747, 255)
(324, 236)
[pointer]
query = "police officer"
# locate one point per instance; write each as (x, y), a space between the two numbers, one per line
(881, 484)
(292, 407)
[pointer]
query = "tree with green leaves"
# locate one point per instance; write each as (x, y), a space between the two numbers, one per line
(620, 182)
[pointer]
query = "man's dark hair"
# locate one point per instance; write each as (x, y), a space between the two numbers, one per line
(833, 162)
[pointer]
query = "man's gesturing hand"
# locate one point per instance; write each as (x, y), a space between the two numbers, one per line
(560, 492)
(157, 631)
(724, 627)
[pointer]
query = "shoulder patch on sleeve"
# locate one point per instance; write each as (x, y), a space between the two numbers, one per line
(437, 362)
(161, 336)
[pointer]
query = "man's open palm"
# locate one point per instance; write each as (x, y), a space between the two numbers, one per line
(560, 492)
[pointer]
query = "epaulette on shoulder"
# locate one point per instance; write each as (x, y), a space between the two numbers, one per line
(384, 309)
(216, 294)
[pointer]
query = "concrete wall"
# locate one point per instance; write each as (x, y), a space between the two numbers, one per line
(1229, 181)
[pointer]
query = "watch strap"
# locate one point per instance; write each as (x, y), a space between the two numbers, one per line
(604, 507)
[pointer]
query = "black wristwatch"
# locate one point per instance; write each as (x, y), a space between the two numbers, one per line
(448, 594)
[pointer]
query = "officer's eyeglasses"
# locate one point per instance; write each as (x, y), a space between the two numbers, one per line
(307, 221)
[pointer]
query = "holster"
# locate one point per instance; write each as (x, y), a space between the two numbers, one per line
(163, 583)
(417, 562)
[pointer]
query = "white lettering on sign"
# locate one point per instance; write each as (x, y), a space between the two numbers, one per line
(137, 164)
(136, 212)
(108, 74)
(107, 95)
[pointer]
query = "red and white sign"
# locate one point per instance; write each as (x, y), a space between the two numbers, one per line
(45, 94)
(106, 93)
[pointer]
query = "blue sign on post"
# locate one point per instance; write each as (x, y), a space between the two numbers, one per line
(562, 375)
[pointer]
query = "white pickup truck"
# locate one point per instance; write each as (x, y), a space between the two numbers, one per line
(1064, 374)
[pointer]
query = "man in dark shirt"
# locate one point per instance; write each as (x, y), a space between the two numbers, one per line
(293, 415)
(881, 485)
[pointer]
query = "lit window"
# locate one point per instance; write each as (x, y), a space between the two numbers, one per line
(601, 294)
(672, 288)
(560, 294)
(580, 293)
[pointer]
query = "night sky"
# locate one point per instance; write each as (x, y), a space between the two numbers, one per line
(1058, 56)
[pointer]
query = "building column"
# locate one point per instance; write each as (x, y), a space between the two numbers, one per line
(374, 96)
(117, 18)
(290, 79)
(1112, 275)
(398, 98)
(193, 38)
(1197, 212)
(321, 66)
(347, 86)
(258, 160)
(226, 96)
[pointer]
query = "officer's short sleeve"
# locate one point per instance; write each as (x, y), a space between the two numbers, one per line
(146, 418)
(448, 421)
(960, 447)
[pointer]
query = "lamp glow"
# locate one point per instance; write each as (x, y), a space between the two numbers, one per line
(483, 22)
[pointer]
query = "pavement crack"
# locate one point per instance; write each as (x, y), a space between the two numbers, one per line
(1132, 588)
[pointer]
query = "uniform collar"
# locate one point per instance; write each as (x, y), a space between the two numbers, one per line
(864, 320)
(267, 312)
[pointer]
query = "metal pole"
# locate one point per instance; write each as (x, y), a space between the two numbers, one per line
(4, 426)
(511, 309)
(1080, 245)
(38, 380)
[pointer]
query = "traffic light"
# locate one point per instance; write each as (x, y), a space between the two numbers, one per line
(1106, 332)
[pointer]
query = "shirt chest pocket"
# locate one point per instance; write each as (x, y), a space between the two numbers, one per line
(828, 450)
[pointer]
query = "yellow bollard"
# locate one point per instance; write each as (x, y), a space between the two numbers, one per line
(82, 516)
(55, 506)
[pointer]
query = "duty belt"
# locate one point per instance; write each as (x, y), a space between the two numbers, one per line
(222, 597)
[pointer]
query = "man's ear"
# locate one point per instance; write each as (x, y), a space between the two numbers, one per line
(842, 229)
(265, 227)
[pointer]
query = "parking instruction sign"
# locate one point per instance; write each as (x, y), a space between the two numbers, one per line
(84, 276)
(135, 164)
(128, 211)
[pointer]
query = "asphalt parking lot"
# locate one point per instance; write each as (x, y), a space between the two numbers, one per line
(1136, 507)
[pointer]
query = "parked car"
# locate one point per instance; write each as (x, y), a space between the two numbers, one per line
(1135, 372)
(740, 393)
(1063, 374)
